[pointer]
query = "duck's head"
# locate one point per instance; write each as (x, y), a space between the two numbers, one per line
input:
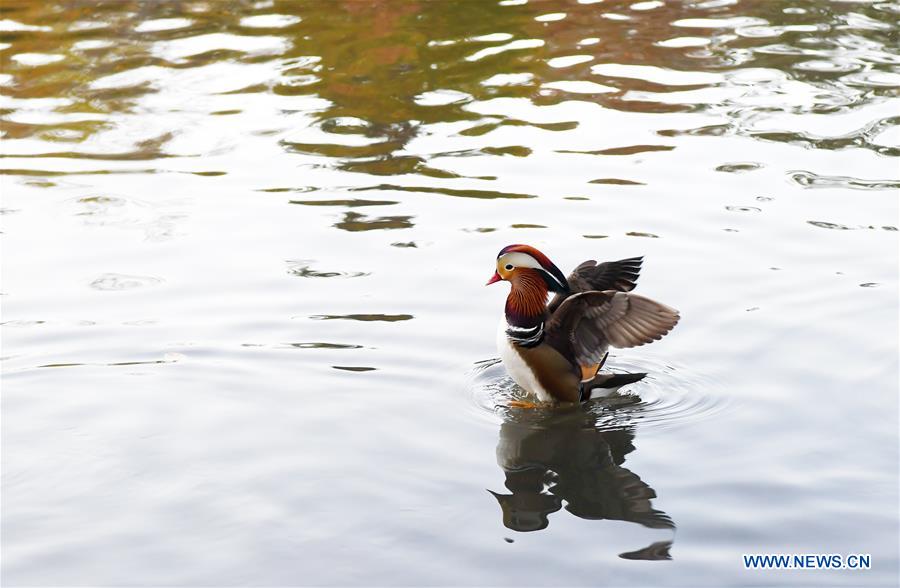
(523, 261)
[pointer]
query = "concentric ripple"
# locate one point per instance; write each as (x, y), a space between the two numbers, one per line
(670, 395)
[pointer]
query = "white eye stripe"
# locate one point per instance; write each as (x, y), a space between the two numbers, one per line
(519, 259)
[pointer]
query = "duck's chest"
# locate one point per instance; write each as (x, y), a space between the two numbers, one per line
(519, 369)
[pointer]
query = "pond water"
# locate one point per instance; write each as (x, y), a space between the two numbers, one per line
(246, 338)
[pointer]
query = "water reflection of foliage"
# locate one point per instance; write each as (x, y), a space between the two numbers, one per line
(372, 61)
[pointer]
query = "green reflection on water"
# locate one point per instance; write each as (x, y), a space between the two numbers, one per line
(386, 70)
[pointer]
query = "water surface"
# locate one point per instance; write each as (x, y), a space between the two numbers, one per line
(246, 339)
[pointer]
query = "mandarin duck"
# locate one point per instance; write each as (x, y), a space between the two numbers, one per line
(555, 351)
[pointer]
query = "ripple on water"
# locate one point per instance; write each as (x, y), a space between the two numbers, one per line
(739, 167)
(840, 227)
(269, 21)
(568, 61)
(355, 222)
(813, 180)
(179, 49)
(348, 202)
(616, 182)
(314, 345)
(442, 98)
(363, 317)
(829, 66)
(36, 59)
(873, 79)
(162, 24)
(669, 396)
(303, 268)
(114, 282)
(682, 42)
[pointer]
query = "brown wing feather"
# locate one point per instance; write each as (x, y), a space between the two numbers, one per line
(587, 323)
(619, 275)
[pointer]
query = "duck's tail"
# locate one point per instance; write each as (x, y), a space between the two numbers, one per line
(605, 384)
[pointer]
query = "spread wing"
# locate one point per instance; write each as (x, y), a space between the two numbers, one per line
(613, 275)
(585, 324)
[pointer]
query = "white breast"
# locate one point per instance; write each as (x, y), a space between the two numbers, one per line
(519, 370)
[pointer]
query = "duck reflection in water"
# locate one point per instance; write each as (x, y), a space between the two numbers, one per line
(561, 456)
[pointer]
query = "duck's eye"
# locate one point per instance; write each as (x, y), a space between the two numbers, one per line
(509, 267)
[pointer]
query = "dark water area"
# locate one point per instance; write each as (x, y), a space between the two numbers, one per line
(245, 338)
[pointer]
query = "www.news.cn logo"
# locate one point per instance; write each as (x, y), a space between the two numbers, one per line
(807, 561)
